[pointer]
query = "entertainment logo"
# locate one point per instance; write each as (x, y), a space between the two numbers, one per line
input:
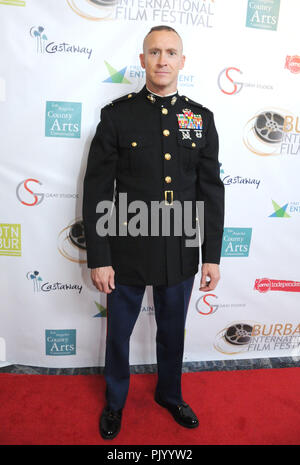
(263, 14)
(273, 132)
(43, 46)
(63, 119)
(241, 337)
(71, 242)
(60, 341)
(10, 239)
(286, 211)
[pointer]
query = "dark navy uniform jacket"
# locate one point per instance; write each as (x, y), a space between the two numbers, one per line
(153, 148)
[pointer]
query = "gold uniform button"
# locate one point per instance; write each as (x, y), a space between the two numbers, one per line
(166, 132)
(164, 111)
(133, 144)
(167, 156)
(168, 179)
(129, 95)
(186, 99)
(193, 144)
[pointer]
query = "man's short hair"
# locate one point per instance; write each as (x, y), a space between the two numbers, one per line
(162, 27)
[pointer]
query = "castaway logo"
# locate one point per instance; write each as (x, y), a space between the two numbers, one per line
(285, 211)
(40, 286)
(263, 14)
(71, 242)
(229, 85)
(63, 119)
(273, 132)
(10, 239)
(13, 2)
(229, 180)
(26, 194)
(236, 242)
(187, 12)
(60, 341)
(240, 337)
(42, 46)
(264, 285)
(292, 63)
(208, 304)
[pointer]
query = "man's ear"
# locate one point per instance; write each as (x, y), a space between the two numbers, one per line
(182, 61)
(142, 60)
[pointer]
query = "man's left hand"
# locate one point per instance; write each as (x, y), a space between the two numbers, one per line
(211, 271)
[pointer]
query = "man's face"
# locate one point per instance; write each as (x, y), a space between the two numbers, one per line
(162, 59)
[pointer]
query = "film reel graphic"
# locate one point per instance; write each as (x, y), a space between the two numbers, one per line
(90, 9)
(235, 338)
(264, 132)
(71, 240)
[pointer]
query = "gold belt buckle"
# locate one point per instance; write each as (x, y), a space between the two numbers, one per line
(166, 200)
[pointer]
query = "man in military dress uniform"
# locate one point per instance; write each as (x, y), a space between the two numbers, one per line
(154, 145)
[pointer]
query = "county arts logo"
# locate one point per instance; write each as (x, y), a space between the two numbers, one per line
(264, 285)
(263, 14)
(230, 82)
(292, 63)
(273, 132)
(236, 242)
(60, 341)
(63, 119)
(42, 46)
(241, 337)
(186, 12)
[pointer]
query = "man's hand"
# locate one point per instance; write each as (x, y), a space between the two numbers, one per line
(104, 278)
(211, 271)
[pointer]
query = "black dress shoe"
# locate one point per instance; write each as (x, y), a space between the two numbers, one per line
(110, 422)
(182, 413)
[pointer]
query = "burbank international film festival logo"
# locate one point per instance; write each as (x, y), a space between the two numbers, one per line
(187, 12)
(248, 336)
(60, 341)
(230, 82)
(273, 132)
(40, 286)
(263, 14)
(63, 119)
(26, 194)
(43, 46)
(10, 239)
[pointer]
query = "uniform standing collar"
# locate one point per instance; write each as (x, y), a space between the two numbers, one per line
(158, 99)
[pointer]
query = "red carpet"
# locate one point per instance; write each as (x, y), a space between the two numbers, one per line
(246, 407)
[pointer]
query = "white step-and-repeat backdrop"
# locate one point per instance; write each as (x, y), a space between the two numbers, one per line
(61, 61)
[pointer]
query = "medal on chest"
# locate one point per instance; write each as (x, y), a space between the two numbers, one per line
(187, 121)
